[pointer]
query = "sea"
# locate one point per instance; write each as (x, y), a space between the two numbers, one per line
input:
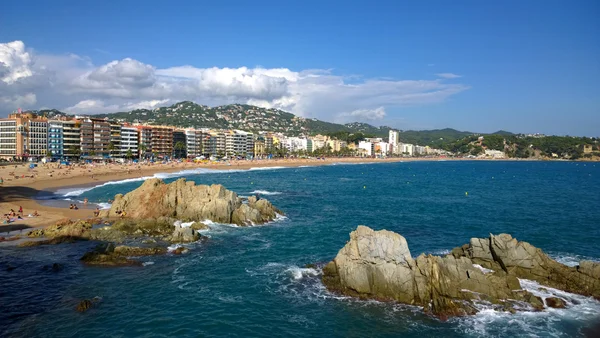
(254, 281)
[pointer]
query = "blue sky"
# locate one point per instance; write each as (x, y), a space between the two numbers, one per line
(522, 66)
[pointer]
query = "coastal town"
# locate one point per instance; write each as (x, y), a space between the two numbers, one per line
(30, 136)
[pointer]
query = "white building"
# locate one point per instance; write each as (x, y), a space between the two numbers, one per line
(408, 149)
(236, 143)
(382, 149)
(367, 147)
(294, 144)
(37, 138)
(494, 153)
(394, 138)
(193, 142)
(129, 141)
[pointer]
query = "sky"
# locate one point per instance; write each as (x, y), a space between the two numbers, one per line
(523, 66)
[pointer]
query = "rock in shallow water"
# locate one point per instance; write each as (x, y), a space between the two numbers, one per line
(378, 264)
(187, 201)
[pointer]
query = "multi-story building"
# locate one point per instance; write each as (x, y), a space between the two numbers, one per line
(221, 143)
(71, 138)
(102, 138)
(250, 145)
(366, 148)
(162, 141)
(319, 141)
(55, 139)
(23, 135)
(129, 142)
(115, 140)
(408, 149)
(236, 143)
(8, 139)
(193, 139)
(87, 138)
(259, 146)
(144, 140)
(394, 139)
(37, 137)
(179, 144)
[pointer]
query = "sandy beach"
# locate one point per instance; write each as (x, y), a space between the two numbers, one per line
(22, 184)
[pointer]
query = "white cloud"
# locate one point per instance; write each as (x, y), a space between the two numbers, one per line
(448, 75)
(363, 115)
(15, 62)
(72, 81)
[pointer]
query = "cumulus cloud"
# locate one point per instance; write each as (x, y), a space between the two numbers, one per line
(447, 75)
(73, 83)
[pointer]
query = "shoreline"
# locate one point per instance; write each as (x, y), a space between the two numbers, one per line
(52, 177)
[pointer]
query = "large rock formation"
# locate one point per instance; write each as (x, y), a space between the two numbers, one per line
(65, 228)
(378, 264)
(187, 201)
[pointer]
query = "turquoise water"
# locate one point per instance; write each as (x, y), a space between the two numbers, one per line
(251, 281)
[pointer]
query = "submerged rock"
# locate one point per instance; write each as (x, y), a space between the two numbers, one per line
(104, 255)
(187, 201)
(378, 264)
(87, 304)
(51, 241)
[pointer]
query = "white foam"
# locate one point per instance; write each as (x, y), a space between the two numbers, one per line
(183, 224)
(78, 191)
(570, 259)
(484, 270)
(104, 206)
(174, 247)
(268, 168)
(147, 263)
(265, 192)
(299, 273)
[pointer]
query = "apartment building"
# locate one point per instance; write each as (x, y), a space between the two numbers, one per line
(144, 140)
(71, 138)
(55, 139)
(115, 140)
(194, 141)
(8, 139)
(162, 141)
(129, 142)
(236, 143)
(37, 137)
(179, 144)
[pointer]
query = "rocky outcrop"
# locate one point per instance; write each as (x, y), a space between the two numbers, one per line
(379, 265)
(65, 228)
(187, 201)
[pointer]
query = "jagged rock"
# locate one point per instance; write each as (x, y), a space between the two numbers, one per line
(65, 228)
(199, 226)
(183, 235)
(108, 234)
(186, 200)
(555, 302)
(378, 264)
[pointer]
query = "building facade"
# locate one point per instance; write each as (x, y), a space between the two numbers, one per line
(179, 144)
(55, 139)
(129, 142)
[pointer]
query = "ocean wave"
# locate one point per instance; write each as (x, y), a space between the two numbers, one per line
(147, 263)
(490, 321)
(265, 192)
(267, 168)
(570, 259)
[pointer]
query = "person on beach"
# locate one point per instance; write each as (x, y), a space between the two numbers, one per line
(75, 207)
(96, 212)
(1, 180)
(71, 206)
(20, 209)
(35, 214)
(85, 201)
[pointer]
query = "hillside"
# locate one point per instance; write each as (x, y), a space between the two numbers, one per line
(246, 117)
